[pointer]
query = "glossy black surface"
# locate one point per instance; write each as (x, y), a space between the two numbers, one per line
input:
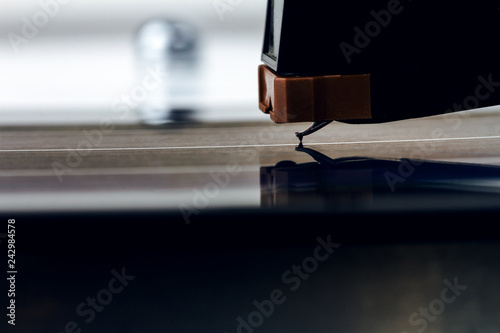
(192, 257)
(358, 183)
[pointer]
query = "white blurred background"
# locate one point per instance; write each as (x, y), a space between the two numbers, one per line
(70, 61)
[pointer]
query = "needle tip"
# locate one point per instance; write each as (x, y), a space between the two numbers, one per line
(300, 136)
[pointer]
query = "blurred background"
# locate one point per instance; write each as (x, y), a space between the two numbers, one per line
(81, 62)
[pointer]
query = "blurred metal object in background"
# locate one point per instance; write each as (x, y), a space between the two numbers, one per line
(167, 53)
